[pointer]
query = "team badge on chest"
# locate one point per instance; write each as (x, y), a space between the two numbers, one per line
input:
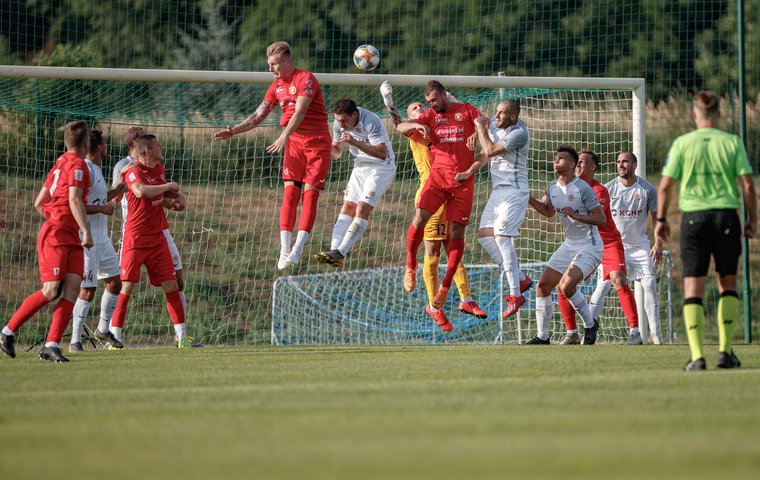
(292, 90)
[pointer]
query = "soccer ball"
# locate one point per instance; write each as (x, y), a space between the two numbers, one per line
(366, 57)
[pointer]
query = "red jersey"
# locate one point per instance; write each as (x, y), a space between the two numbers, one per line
(449, 132)
(69, 171)
(146, 219)
(609, 231)
(302, 84)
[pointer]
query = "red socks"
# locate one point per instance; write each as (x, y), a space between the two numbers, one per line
(174, 305)
(120, 312)
(455, 253)
(33, 304)
(413, 241)
(308, 211)
(567, 311)
(628, 303)
(289, 207)
(61, 318)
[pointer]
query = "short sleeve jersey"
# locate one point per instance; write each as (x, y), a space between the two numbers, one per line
(449, 132)
(369, 129)
(510, 168)
(630, 208)
(581, 198)
(97, 195)
(707, 163)
(608, 232)
(124, 162)
(146, 218)
(69, 171)
(302, 84)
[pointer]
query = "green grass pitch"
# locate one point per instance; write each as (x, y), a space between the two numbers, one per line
(371, 412)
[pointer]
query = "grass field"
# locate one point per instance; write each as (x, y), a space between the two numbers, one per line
(362, 412)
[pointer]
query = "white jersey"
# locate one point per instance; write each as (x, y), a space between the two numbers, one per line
(116, 179)
(97, 195)
(511, 167)
(630, 208)
(368, 129)
(579, 196)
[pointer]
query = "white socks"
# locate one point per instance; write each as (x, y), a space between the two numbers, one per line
(596, 304)
(544, 310)
(651, 304)
(107, 306)
(489, 245)
(78, 316)
(340, 229)
(301, 239)
(285, 238)
(579, 304)
(180, 330)
(510, 265)
(355, 231)
(118, 333)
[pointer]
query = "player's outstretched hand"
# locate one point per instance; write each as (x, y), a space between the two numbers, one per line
(107, 209)
(224, 134)
(278, 144)
(386, 91)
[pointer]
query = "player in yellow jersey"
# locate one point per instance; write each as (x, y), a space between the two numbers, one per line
(437, 228)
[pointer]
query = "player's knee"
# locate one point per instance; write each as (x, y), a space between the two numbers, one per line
(87, 294)
(52, 290)
(113, 286)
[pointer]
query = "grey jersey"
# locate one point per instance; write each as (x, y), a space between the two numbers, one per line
(579, 196)
(97, 195)
(116, 178)
(369, 129)
(630, 208)
(511, 167)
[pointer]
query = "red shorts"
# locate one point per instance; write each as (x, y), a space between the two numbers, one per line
(56, 261)
(307, 158)
(613, 258)
(157, 260)
(458, 200)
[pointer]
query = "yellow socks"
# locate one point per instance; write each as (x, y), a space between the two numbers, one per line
(463, 285)
(694, 318)
(430, 274)
(728, 315)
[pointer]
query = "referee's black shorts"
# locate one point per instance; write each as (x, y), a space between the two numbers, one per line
(715, 233)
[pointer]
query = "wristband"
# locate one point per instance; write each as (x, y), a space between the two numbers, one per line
(662, 219)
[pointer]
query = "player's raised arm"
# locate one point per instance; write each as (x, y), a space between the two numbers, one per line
(386, 91)
(151, 191)
(595, 216)
(253, 121)
(542, 206)
(405, 128)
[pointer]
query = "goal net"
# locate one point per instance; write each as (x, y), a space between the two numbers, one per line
(229, 238)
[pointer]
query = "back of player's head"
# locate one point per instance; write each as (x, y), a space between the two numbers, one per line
(631, 156)
(76, 134)
(512, 106)
(345, 106)
(144, 143)
(434, 86)
(96, 140)
(591, 154)
(132, 134)
(707, 104)
(278, 48)
(570, 150)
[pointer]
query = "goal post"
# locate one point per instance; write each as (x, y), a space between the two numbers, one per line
(229, 236)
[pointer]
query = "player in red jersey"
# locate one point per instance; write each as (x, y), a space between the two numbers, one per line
(306, 140)
(147, 194)
(449, 125)
(61, 201)
(613, 261)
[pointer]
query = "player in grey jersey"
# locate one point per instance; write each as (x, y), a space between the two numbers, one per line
(580, 252)
(374, 171)
(632, 200)
(505, 143)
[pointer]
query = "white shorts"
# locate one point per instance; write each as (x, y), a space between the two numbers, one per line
(505, 211)
(176, 259)
(100, 262)
(586, 257)
(368, 184)
(639, 263)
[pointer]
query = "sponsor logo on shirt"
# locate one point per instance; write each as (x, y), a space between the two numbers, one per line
(627, 213)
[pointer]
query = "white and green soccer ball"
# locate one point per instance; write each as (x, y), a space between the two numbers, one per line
(366, 57)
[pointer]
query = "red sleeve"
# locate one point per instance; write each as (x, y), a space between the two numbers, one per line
(270, 96)
(133, 176)
(425, 118)
(603, 195)
(474, 111)
(307, 84)
(49, 179)
(78, 175)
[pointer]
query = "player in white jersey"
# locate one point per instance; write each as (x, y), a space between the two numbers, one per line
(505, 142)
(131, 135)
(100, 261)
(374, 170)
(632, 200)
(580, 253)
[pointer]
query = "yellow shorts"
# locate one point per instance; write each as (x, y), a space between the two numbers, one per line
(437, 227)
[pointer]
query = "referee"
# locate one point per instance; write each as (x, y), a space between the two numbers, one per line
(708, 162)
